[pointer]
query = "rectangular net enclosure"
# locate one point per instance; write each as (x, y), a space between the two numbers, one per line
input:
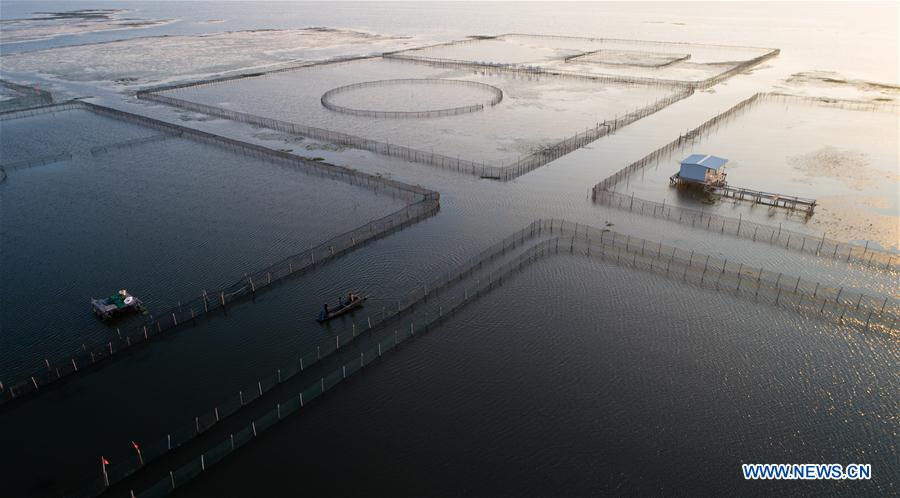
(552, 238)
(515, 253)
(489, 123)
(693, 65)
(831, 159)
(415, 204)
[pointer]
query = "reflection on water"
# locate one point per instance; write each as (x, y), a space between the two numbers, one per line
(574, 378)
(164, 219)
(845, 157)
(524, 394)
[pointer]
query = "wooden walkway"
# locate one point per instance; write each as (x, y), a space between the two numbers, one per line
(766, 198)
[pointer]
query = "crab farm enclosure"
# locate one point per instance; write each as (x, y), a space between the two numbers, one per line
(683, 62)
(844, 156)
(92, 204)
(536, 111)
(604, 370)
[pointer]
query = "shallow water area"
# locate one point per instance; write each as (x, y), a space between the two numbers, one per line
(535, 112)
(153, 60)
(414, 96)
(46, 25)
(593, 56)
(844, 156)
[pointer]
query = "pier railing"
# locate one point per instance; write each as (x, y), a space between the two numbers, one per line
(604, 193)
(551, 237)
(423, 204)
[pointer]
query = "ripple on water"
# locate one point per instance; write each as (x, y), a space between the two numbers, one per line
(606, 400)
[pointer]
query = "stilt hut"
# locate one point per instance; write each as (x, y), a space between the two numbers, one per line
(701, 169)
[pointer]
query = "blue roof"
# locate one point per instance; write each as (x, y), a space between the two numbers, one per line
(706, 161)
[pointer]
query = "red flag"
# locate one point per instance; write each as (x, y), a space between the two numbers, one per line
(135, 446)
(104, 461)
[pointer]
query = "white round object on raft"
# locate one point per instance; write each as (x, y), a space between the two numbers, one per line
(129, 299)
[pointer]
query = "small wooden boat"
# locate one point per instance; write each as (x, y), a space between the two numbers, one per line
(121, 302)
(356, 302)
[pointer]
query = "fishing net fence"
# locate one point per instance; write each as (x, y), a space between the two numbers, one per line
(135, 142)
(37, 111)
(737, 69)
(496, 96)
(855, 105)
(69, 155)
(538, 239)
(846, 306)
(554, 237)
(239, 76)
(415, 55)
(655, 43)
(36, 161)
(603, 193)
(638, 58)
(125, 464)
(666, 150)
(508, 172)
(793, 240)
(25, 96)
(95, 150)
(741, 66)
(423, 204)
(534, 70)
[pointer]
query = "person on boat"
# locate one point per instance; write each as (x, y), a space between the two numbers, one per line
(324, 313)
(340, 302)
(351, 297)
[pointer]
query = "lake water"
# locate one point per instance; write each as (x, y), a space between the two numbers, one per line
(497, 401)
(577, 378)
